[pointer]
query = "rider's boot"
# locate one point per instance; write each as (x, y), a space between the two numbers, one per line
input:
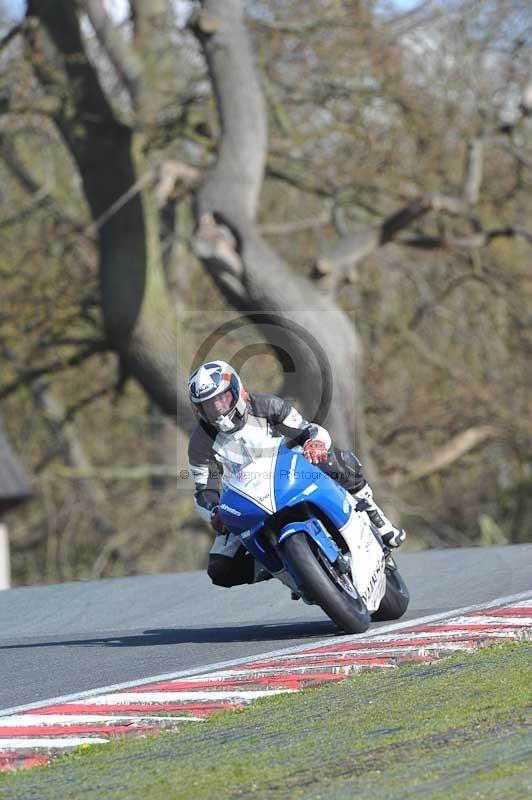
(390, 535)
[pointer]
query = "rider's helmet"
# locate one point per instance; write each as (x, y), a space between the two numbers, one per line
(218, 397)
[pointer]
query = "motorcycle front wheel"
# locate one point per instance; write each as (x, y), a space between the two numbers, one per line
(320, 581)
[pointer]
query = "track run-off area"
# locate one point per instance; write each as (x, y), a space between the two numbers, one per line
(86, 662)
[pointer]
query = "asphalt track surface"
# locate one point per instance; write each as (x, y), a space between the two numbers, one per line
(73, 637)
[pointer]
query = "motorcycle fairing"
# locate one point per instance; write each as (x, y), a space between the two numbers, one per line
(316, 530)
(280, 479)
(367, 560)
(283, 478)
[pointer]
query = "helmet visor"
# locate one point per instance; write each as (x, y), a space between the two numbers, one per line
(219, 406)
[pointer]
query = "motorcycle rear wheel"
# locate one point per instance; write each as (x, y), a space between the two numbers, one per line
(325, 586)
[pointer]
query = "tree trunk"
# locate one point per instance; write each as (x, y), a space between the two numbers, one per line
(139, 319)
(313, 338)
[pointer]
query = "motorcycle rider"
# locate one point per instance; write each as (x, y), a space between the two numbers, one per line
(231, 422)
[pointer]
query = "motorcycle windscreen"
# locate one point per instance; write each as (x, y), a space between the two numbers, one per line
(296, 479)
(248, 489)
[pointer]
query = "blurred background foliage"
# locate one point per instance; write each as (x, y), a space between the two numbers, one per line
(369, 106)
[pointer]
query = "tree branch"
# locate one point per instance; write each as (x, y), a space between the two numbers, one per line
(121, 56)
(10, 35)
(521, 158)
(302, 26)
(28, 375)
(156, 50)
(297, 226)
(472, 242)
(171, 173)
(139, 473)
(354, 247)
(446, 455)
(242, 149)
(473, 171)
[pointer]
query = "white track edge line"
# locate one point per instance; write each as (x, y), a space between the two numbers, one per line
(52, 720)
(147, 698)
(193, 671)
(48, 743)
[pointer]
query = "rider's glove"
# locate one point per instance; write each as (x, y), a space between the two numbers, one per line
(315, 451)
(393, 538)
(217, 521)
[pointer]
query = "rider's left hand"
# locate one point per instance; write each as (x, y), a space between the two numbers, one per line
(315, 451)
(217, 521)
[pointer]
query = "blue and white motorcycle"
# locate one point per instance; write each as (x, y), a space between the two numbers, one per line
(305, 530)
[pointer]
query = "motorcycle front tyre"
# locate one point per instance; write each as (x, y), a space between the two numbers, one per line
(348, 612)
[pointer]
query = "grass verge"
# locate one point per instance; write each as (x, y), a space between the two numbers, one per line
(459, 728)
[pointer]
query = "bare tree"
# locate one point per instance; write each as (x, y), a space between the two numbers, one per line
(321, 175)
(313, 337)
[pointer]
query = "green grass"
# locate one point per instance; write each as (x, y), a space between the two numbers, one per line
(459, 728)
